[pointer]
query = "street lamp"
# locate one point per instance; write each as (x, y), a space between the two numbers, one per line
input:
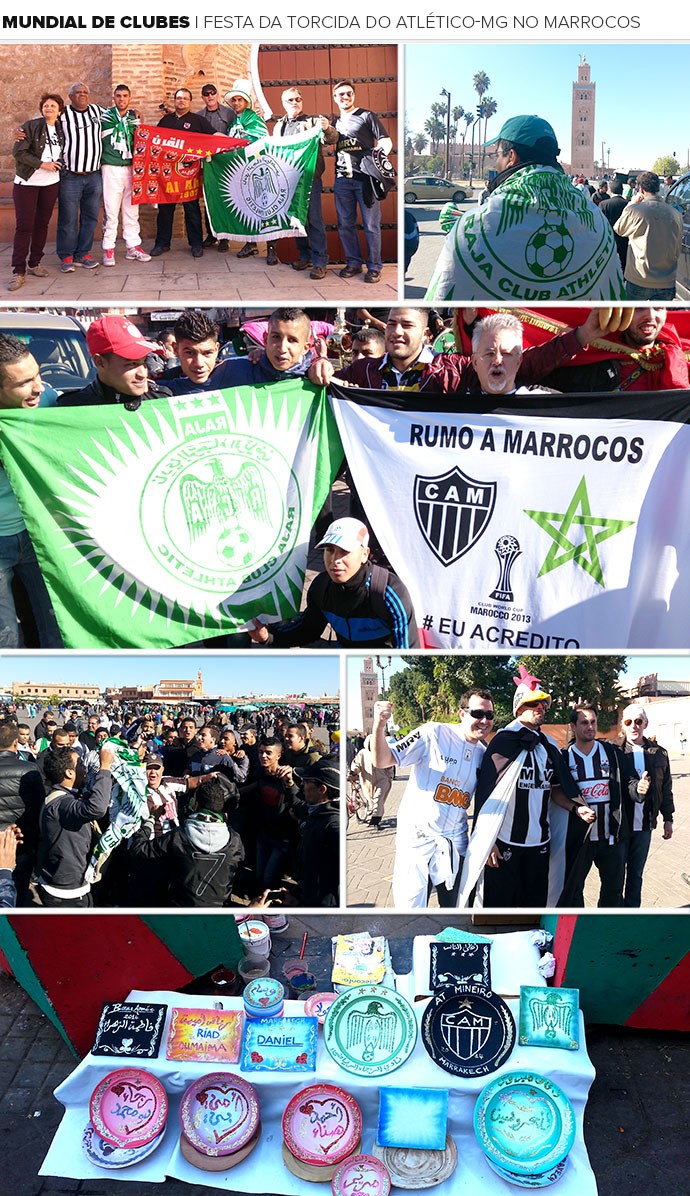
(383, 663)
(447, 95)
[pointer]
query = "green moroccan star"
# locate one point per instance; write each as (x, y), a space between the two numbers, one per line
(595, 529)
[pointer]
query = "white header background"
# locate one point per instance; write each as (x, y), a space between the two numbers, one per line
(374, 22)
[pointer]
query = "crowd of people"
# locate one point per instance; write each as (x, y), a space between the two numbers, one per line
(363, 602)
(539, 234)
(542, 816)
(79, 155)
(128, 806)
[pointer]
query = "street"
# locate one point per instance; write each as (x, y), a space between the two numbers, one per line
(431, 239)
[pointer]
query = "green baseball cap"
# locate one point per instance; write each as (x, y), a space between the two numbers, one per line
(528, 131)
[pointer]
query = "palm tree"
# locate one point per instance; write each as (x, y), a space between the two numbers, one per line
(435, 129)
(481, 84)
(420, 142)
(488, 107)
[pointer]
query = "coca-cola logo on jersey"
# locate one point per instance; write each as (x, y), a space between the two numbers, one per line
(599, 791)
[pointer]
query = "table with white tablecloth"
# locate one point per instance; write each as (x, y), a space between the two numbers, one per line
(264, 1170)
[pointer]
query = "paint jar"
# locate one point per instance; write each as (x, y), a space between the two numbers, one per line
(225, 982)
(253, 967)
(255, 936)
(300, 977)
(277, 923)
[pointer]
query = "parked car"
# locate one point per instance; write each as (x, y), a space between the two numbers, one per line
(679, 196)
(427, 188)
(59, 345)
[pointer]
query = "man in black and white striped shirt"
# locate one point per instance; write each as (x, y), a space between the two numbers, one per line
(602, 775)
(81, 188)
(517, 865)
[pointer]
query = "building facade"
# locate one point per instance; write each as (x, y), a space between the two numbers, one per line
(45, 692)
(582, 136)
(369, 691)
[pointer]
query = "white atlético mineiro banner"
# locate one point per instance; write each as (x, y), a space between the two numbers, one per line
(522, 528)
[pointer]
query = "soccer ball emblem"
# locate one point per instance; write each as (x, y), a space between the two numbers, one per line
(235, 548)
(549, 250)
(506, 545)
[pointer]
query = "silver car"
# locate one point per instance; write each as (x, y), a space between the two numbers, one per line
(426, 188)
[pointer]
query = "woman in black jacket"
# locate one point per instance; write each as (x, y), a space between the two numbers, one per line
(36, 184)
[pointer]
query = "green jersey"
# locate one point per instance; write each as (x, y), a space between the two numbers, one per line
(117, 132)
(247, 124)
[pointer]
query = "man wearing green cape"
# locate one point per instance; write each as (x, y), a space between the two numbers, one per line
(535, 237)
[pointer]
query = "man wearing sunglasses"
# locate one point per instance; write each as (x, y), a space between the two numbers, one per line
(359, 133)
(651, 764)
(431, 837)
(521, 774)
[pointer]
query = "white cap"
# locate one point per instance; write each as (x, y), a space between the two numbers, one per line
(347, 534)
(241, 87)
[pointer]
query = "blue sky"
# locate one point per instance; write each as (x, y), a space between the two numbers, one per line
(641, 96)
(227, 674)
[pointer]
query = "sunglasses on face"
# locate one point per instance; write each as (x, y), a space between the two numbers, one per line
(479, 714)
(639, 722)
(533, 705)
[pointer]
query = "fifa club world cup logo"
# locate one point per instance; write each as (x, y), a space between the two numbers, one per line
(507, 550)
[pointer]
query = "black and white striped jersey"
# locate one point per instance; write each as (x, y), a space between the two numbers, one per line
(83, 143)
(591, 774)
(526, 821)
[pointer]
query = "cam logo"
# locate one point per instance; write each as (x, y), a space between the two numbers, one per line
(465, 1033)
(452, 512)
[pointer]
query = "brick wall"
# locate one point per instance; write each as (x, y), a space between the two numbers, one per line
(152, 72)
(28, 71)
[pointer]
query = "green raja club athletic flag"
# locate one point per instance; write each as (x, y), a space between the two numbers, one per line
(178, 521)
(261, 192)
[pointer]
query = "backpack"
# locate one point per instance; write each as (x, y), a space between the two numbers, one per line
(377, 591)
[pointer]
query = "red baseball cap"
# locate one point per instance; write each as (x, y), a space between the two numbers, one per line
(116, 334)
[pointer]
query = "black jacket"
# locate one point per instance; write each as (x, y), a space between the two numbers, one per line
(67, 833)
(28, 153)
(272, 800)
(659, 799)
(358, 617)
(21, 797)
(201, 868)
(98, 394)
(319, 854)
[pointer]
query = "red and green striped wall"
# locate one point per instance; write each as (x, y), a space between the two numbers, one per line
(631, 969)
(72, 964)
